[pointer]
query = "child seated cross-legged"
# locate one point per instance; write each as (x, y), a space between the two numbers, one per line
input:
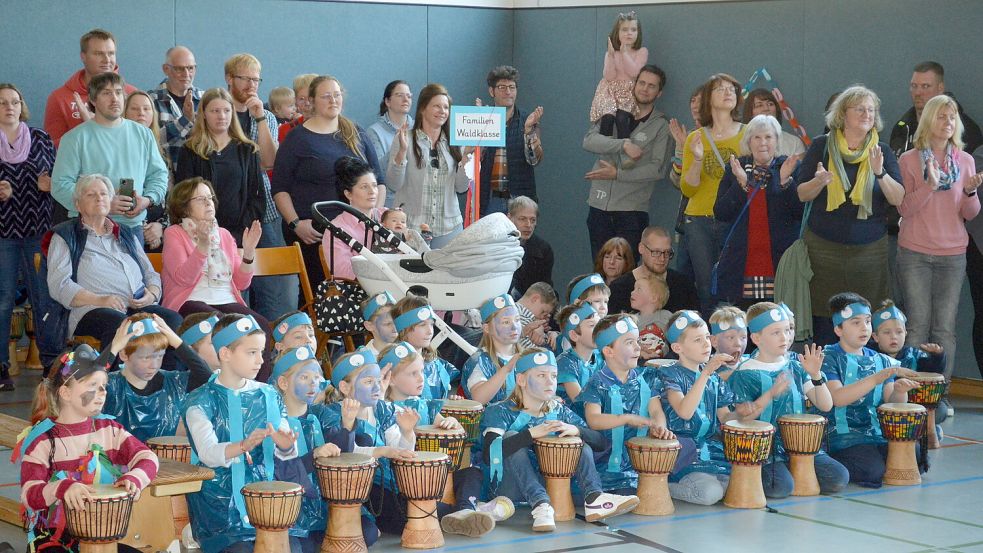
(406, 383)
(728, 335)
(146, 400)
(622, 402)
(72, 446)
(413, 318)
(386, 431)
(378, 319)
(237, 427)
(488, 376)
(576, 365)
(196, 331)
(699, 401)
(777, 386)
(859, 379)
(532, 411)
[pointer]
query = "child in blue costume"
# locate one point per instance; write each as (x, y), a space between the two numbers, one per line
(146, 400)
(623, 402)
(237, 427)
(532, 411)
(378, 319)
(385, 431)
(413, 319)
(196, 331)
(777, 385)
(589, 289)
(699, 401)
(406, 383)
(293, 330)
(859, 380)
(728, 335)
(488, 375)
(576, 365)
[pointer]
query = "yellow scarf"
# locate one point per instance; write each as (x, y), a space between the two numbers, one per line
(862, 190)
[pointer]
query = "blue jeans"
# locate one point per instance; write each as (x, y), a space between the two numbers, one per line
(866, 463)
(605, 225)
(777, 480)
(931, 286)
(17, 259)
(702, 240)
(521, 481)
(273, 296)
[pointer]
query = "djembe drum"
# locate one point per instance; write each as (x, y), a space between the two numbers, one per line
(468, 413)
(803, 437)
(558, 458)
(901, 425)
(653, 460)
(422, 481)
(345, 482)
(452, 441)
(33, 355)
(928, 394)
(272, 508)
(18, 321)
(104, 520)
(175, 448)
(747, 446)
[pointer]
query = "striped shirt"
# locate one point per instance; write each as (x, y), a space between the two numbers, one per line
(63, 447)
(176, 126)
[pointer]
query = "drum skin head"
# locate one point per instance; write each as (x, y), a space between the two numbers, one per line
(749, 426)
(901, 407)
(345, 460)
(803, 418)
(559, 440)
(275, 486)
(655, 443)
(170, 440)
(432, 430)
(107, 491)
(428, 456)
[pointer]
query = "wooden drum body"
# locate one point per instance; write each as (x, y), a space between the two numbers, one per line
(747, 446)
(345, 482)
(451, 441)
(653, 461)
(802, 436)
(18, 321)
(929, 394)
(33, 355)
(272, 508)
(901, 425)
(422, 481)
(103, 522)
(558, 458)
(175, 448)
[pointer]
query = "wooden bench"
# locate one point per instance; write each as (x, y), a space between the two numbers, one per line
(10, 428)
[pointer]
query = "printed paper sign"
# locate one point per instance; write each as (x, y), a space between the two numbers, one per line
(478, 126)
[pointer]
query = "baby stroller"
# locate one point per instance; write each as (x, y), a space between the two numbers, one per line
(475, 266)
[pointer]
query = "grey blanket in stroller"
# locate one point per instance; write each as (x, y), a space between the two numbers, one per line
(490, 245)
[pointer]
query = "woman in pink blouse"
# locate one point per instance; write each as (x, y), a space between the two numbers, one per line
(940, 182)
(357, 185)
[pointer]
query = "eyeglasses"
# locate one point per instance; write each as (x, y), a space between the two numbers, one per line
(183, 68)
(13, 103)
(665, 254)
(329, 96)
(434, 160)
(725, 89)
(506, 88)
(860, 110)
(403, 95)
(203, 199)
(251, 80)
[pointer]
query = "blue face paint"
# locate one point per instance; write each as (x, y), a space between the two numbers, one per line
(368, 386)
(506, 325)
(306, 383)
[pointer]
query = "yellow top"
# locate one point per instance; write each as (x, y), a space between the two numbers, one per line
(703, 197)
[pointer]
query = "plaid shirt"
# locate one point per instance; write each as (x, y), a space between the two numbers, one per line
(176, 126)
(253, 132)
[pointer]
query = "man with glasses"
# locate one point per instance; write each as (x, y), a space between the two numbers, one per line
(124, 151)
(635, 151)
(655, 251)
(177, 98)
(509, 172)
(270, 296)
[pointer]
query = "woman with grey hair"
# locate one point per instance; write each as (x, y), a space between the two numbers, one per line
(851, 177)
(758, 202)
(98, 271)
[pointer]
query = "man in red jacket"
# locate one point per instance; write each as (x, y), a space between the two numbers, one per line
(66, 108)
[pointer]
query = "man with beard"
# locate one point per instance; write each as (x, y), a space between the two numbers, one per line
(124, 151)
(655, 251)
(635, 150)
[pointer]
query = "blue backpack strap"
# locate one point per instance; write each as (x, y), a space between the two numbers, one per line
(445, 378)
(878, 397)
(272, 417)
(509, 383)
(797, 401)
(849, 377)
(766, 383)
(296, 427)
(318, 431)
(238, 468)
(497, 458)
(618, 432)
(644, 397)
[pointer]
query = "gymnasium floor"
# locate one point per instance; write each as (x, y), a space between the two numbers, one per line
(940, 515)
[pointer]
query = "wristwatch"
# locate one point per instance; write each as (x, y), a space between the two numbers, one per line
(821, 381)
(260, 119)
(292, 225)
(883, 172)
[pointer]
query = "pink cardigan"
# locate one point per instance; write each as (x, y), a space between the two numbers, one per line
(934, 222)
(342, 253)
(183, 266)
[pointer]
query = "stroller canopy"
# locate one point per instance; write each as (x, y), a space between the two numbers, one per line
(490, 245)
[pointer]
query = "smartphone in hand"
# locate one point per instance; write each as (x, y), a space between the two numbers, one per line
(125, 187)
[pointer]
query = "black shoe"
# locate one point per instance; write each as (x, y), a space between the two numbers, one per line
(6, 385)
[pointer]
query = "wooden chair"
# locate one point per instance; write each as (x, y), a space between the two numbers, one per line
(157, 260)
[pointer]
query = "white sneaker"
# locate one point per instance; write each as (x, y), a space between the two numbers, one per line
(609, 505)
(950, 412)
(542, 518)
(468, 523)
(501, 508)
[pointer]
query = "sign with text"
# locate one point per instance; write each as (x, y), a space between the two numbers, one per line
(478, 126)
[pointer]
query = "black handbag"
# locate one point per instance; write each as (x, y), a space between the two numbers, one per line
(339, 307)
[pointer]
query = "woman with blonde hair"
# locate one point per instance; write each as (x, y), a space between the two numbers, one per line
(940, 182)
(140, 108)
(218, 151)
(304, 172)
(851, 177)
